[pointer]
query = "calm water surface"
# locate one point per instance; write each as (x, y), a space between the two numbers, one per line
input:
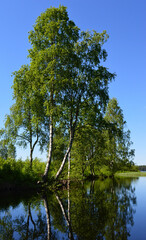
(102, 210)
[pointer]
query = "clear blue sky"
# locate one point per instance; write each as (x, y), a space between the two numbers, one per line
(125, 22)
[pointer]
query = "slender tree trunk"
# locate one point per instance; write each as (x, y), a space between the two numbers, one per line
(30, 139)
(72, 132)
(50, 152)
(69, 155)
(32, 146)
(45, 176)
(66, 155)
(66, 217)
(27, 227)
(48, 217)
(31, 155)
(69, 215)
(82, 172)
(69, 162)
(30, 215)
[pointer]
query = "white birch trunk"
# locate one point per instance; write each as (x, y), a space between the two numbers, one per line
(69, 164)
(65, 156)
(50, 152)
(72, 132)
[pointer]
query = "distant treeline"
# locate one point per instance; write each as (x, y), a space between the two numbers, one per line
(142, 167)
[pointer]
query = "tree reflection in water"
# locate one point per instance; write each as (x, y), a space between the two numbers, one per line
(105, 211)
(97, 210)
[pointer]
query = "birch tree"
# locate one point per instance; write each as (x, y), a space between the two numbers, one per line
(88, 88)
(52, 40)
(118, 152)
(26, 122)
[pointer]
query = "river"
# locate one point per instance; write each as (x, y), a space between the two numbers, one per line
(101, 210)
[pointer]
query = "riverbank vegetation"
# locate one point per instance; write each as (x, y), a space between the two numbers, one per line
(62, 105)
(131, 174)
(17, 173)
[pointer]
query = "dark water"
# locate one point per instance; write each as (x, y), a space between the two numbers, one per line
(102, 210)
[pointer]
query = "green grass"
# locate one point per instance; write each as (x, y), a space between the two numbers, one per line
(131, 174)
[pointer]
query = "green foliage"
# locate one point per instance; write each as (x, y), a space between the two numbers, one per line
(119, 154)
(62, 104)
(19, 172)
(105, 171)
(7, 147)
(26, 123)
(102, 146)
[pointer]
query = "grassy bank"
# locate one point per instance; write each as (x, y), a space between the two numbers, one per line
(131, 174)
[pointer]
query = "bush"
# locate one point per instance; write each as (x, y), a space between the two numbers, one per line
(18, 171)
